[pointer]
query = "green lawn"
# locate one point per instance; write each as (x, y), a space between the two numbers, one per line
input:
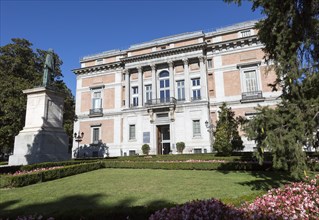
(118, 193)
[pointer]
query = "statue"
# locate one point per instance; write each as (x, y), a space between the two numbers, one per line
(48, 72)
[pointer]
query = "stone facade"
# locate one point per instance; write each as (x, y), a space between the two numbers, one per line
(163, 91)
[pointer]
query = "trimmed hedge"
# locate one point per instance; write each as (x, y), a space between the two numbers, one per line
(181, 157)
(188, 166)
(42, 176)
(13, 169)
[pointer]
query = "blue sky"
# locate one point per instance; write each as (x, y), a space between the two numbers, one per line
(78, 28)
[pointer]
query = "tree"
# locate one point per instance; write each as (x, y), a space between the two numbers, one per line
(227, 138)
(290, 33)
(146, 149)
(180, 146)
(21, 68)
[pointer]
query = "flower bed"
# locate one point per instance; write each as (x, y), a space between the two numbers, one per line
(20, 172)
(24, 178)
(293, 201)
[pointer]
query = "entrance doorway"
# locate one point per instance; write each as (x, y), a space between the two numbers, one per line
(163, 139)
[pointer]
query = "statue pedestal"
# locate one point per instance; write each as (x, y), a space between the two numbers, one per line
(43, 138)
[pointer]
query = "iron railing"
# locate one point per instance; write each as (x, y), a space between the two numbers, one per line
(255, 95)
(96, 112)
(161, 101)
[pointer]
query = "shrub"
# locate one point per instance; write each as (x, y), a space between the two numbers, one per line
(205, 209)
(46, 175)
(187, 165)
(180, 146)
(146, 149)
(293, 201)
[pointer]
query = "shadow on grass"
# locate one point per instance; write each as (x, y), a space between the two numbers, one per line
(83, 207)
(267, 180)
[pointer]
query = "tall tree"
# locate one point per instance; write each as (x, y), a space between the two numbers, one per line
(21, 68)
(290, 33)
(227, 138)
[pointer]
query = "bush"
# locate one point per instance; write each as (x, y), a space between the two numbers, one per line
(180, 146)
(293, 201)
(46, 175)
(187, 165)
(13, 169)
(205, 209)
(146, 149)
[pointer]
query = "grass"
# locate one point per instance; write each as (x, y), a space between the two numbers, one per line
(118, 193)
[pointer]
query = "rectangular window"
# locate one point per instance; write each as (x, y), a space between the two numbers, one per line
(132, 132)
(95, 135)
(250, 81)
(209, 64)
(196, 128)
(196, 89)
(97, 100)
(148, 93)
(245, 33)
(99, 61)
(197, 150)
(180, 90)
(135, 96)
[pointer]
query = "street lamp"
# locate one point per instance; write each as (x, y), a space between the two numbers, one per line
(210, 128)
(78, 138)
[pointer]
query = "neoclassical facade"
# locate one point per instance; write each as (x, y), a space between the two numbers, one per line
(169, 90)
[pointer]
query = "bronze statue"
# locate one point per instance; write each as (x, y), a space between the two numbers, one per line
(48, 72)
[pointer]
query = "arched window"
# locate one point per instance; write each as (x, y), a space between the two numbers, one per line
(164, 86)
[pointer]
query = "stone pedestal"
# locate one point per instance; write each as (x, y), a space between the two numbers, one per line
(43, 138)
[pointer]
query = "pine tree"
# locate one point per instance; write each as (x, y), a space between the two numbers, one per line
(227, 138)
(290, 33)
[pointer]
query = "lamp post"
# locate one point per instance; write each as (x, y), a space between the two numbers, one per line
(78, 138)
(210, 128)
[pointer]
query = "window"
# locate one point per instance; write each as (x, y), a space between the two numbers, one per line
(132, 153)
(180, 90)
(95, 135)
(135, 96)
(196, 128)
(197, 150)
(96, 100)
(164, 86)
(148, 93)
(209, 63)
(196, 89)
(250, 81)
(245, 33)
(132, 132)
(99, 61)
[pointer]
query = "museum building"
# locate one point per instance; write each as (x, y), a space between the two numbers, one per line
(169, 90)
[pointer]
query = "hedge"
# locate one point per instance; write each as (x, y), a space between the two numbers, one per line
(42, 176)
(188, 166)
(181, 157)
(13, 169)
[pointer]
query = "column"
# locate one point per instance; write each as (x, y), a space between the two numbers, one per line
(203, 77)
(154, 82)
(187, 81)
(127, 88)
(140, 86)
(171, 78)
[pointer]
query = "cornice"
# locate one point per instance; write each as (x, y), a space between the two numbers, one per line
(100, 67)
(226, 45)
(163, 53)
